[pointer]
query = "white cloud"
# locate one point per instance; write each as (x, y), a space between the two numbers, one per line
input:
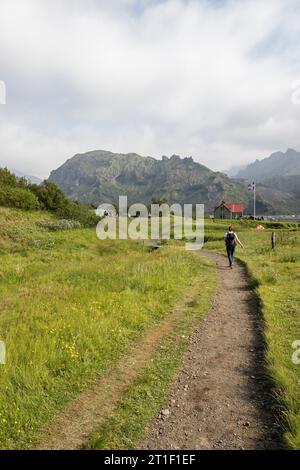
(202, 78)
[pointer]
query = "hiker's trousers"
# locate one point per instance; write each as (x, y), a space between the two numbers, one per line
(230, 253)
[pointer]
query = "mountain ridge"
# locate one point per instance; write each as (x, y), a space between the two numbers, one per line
(101, 176)
(278, 164)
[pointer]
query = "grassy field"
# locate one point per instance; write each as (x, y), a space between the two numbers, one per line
(147, 393)
(71, 306)
(276, 277)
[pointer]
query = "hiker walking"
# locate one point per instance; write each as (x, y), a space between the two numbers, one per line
(231, 239)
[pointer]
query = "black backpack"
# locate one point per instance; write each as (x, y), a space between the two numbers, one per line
(230, 238)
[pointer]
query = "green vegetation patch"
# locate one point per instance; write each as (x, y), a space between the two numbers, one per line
(71, 306)
(19, 193)
(276, 277)
(147, 393)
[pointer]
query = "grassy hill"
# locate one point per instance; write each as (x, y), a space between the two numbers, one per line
(19, 192)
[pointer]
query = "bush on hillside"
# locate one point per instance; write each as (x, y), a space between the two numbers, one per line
(20, 193)
(50, 197)
(84, 214)
(19, 198)
(9, 179)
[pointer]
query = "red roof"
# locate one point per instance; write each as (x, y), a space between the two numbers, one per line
(235, 207)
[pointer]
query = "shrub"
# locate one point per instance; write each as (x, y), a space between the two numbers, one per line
(19, 198)
(50, 196)
(84, 214)
(8, 179)
(19, 193)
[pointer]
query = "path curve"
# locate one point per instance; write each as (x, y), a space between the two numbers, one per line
(221, 397)
(72, 427)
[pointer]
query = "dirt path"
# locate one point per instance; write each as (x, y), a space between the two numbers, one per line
(86, 413)
(221, 397)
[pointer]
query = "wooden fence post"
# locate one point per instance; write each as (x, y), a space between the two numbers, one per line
(273, 240)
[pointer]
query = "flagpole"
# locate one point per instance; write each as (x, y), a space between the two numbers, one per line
(252, 187)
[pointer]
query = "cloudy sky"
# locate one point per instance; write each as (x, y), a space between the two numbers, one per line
(212, 79)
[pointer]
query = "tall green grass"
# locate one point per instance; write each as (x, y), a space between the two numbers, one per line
(125, 428)
(71, 305)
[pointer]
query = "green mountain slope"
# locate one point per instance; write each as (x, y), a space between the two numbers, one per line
(100, 176)
(278, 164)
(285, 183)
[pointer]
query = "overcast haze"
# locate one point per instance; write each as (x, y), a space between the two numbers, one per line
(208, 79)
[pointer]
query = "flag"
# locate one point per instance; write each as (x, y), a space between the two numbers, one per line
(251, 186)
